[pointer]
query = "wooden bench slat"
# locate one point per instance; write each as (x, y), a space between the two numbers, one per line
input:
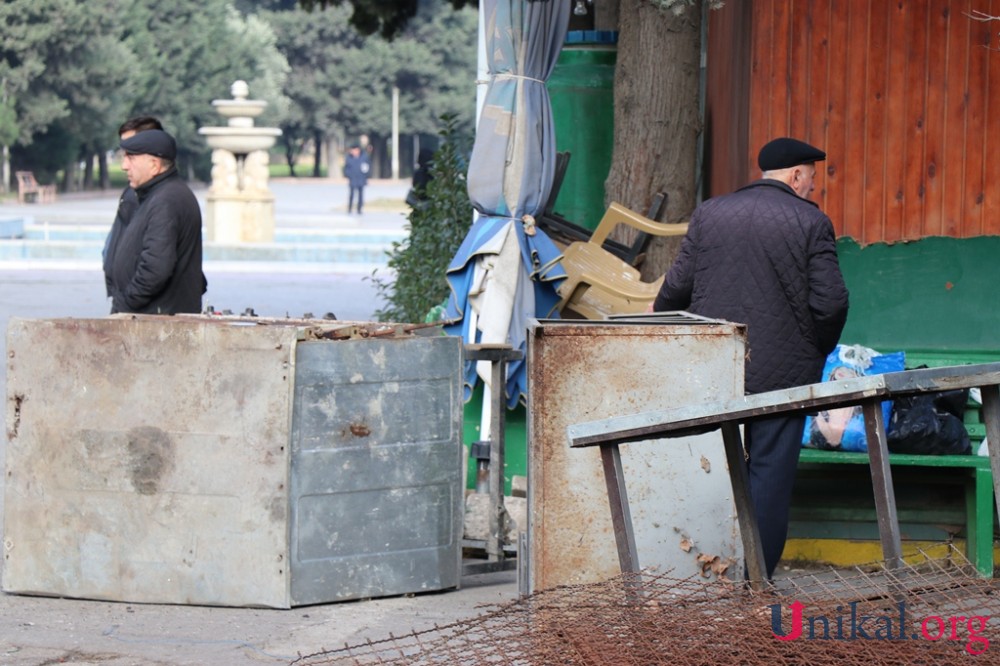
(910, 459)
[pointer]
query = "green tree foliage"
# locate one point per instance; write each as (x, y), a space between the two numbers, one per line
(436, 69)
(386, 17)
(436, 227)
(316, 47)
(371, 16)
(62, 64)
(341, 81)
(190, 52)
(73, 70)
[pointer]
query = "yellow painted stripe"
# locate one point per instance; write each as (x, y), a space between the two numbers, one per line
(846, 553)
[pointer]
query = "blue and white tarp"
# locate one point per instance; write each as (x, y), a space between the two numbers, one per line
(507, 269)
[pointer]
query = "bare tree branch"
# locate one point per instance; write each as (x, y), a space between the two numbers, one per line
(983, 17)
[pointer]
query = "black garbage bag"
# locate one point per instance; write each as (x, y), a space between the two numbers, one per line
(929, 424)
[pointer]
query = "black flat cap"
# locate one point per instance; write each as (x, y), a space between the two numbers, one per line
(151, 142)
(785, 152)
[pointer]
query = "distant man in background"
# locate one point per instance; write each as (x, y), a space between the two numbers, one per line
(157, 264)
(356, 169)
(128, 202)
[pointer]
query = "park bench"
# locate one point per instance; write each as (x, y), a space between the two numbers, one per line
(27, 187)
(868, 392)
(938, 497)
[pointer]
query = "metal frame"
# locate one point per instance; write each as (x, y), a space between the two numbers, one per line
(869, 392)
(496, 556)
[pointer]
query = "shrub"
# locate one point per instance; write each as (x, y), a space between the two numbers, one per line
(437, 226)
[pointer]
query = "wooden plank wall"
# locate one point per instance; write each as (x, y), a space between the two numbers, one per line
(903, 95)
(727, 90)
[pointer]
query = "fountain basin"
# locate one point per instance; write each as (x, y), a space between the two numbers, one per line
(230, 108)
(240, 140)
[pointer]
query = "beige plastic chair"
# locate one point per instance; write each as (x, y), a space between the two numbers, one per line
(598, 283)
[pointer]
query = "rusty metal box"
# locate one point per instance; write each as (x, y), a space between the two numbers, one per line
(206, 460)
(679, 491)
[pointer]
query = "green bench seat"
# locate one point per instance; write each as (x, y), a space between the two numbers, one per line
(974, 477)
(936, 495)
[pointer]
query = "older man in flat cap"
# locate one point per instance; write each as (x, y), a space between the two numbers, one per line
(157, 264)
(765, 256)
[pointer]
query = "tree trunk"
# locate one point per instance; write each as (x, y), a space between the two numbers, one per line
(88, 173)
(657, 119)
(69, 176)
(318, 161)
(291, 154)
(102, 168)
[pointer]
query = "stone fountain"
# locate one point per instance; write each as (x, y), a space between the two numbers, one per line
(239, 207)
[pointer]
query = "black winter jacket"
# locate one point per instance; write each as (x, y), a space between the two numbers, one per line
(767, 258)
(127, 205)
(157, 262)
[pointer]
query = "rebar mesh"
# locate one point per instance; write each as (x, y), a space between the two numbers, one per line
(936, 611)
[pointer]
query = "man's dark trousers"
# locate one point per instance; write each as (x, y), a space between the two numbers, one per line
(773, 446)
(361, 198)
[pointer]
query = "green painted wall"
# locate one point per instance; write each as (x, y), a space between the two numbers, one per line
(935, 293)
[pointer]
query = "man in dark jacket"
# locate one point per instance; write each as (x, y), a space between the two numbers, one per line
(128, 202)
(356, 168)
(157, 264)
(765, 256)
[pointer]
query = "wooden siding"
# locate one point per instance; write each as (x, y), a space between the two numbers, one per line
(903, 95)
(727, 89)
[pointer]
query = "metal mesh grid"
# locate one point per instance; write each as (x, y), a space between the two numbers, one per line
(933, 612)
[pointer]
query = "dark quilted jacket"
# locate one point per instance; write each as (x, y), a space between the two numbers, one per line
(764, 257)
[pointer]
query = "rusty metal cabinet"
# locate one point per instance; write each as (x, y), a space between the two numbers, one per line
(200, 460)
(680, 495)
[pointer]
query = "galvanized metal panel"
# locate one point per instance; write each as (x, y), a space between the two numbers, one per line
(151, 459)
(680, 495)
(377, 491)
(147, 461)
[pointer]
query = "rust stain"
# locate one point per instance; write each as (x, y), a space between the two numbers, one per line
(360, 430)
(706, 464)
(150, 457)
(16, 425)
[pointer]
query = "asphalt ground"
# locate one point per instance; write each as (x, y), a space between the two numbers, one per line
(41, 630)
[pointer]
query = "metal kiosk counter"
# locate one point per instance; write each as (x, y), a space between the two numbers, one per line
(868, 392)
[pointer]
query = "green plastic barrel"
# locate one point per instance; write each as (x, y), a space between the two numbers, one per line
(581, 88)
